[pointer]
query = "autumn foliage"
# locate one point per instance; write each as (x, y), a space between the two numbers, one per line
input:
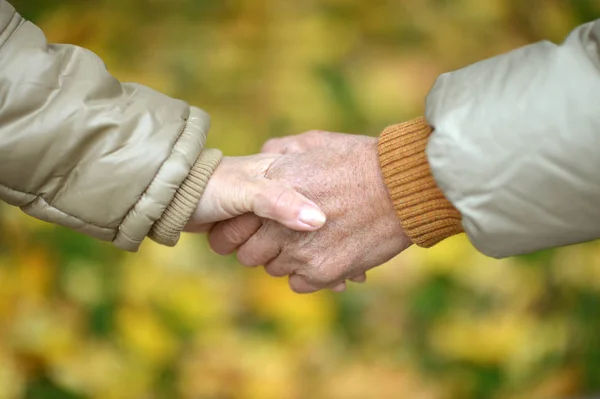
(79, 319)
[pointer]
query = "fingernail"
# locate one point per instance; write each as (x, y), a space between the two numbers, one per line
(312, 217)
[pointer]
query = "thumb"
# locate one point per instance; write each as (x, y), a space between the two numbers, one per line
(279, 202)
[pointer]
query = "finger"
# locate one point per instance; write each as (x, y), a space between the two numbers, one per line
(276, 263)
(278, 268)
(300, 285)
(263, 247)
(227, 236)
(360, 278)
(340, 287)
(279, 202)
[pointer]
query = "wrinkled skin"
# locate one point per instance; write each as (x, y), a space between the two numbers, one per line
(341, 174)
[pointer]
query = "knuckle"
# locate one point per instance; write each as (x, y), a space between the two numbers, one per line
(307, 259)
(248, 257)
(316, 136)
(272, 145)
(319, 279)
(275, 271)
(322, 275)
(283, 199)
(299, 285)
(313, 133)
(294, 147)
(262, 197)
(279, 201)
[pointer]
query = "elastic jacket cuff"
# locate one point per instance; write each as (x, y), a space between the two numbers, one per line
(425, 213)
(168, 228)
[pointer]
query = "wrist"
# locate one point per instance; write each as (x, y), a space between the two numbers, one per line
(168, 228)
(381, 199)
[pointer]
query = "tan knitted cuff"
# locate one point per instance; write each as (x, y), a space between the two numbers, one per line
(426, 215)
(168, 228)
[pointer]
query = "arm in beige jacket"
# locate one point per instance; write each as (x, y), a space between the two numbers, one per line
(509, 152)
(80, 149)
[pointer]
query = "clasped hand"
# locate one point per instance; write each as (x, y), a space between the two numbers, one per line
(313, 207)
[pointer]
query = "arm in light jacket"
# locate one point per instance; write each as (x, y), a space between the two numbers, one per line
(80, 149)
(509, 151)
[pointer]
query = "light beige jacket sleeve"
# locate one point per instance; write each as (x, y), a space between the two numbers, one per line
(516, 145)
(78, 148)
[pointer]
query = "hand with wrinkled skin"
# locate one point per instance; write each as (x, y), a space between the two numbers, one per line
(341, 174)
(301, 143)
(239, 186)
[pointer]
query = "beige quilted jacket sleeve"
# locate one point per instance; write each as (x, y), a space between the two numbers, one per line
(515, 145)
(116, 161)
(508, 151)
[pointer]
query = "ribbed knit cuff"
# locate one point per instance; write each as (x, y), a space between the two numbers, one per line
(168, 228)
(426, 215)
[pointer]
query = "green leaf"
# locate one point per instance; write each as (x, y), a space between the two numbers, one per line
(44, 388)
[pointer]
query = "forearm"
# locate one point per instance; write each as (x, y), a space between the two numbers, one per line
(80, 149)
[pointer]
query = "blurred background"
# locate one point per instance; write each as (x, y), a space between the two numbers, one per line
(80, 319)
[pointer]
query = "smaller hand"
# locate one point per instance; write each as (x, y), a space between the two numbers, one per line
(239, 186)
